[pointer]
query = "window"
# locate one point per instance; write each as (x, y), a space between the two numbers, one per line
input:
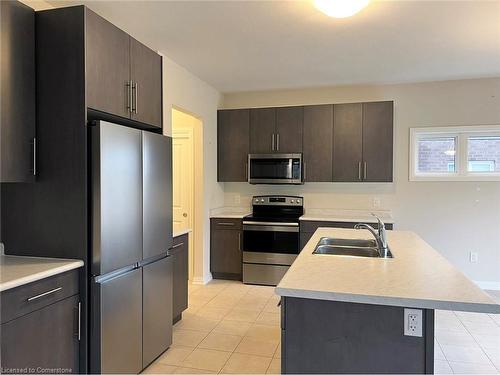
(464, 153)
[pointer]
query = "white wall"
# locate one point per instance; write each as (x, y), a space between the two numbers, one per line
(454, 217)
(186, 92)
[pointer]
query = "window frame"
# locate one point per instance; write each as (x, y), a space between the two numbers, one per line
(462, 134)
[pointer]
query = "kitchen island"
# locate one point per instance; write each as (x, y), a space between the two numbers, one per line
(348, 314)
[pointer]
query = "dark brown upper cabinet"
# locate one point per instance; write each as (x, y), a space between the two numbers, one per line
(262, 130)
(318, 143)
(363, 142)
(378, 141)
(347, 142)
(146, 75)
(233, 144)
(276, 130)
(289, 128)
(124, 77)
(17, 112)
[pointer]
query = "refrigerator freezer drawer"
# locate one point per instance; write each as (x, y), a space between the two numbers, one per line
(157, 309)
(116, 333)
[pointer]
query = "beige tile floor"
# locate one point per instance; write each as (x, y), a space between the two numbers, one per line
(232, 328)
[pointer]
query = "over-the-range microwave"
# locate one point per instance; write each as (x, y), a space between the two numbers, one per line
(275, 168)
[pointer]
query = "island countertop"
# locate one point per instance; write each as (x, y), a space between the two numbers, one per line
(19, 270)
(418, 276)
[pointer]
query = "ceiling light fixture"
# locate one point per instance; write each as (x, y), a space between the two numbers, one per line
(340, 8)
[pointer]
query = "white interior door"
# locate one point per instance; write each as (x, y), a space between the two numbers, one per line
(182, 146)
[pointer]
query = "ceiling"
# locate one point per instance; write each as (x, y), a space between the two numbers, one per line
(260, 45)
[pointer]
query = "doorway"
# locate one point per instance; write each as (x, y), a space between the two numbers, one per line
(187, 150)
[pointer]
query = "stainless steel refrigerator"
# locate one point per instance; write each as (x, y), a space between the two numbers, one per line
(131, 233)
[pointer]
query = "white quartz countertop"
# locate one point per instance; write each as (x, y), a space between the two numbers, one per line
(229, 213)
(418, 276)
(181, 232)
(357, 216)
(19, 270)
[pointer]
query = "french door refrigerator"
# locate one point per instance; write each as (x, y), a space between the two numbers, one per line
(131, 232)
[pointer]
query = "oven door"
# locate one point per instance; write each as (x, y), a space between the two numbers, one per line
(275, 168)
(270, 243)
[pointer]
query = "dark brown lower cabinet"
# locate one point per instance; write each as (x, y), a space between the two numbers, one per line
(330, 337)
(44, 340)
(179, 254)
(225, 249)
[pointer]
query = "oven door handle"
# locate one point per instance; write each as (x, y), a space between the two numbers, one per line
(265, 227)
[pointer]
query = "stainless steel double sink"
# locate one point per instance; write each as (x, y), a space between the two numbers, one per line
(350, 247)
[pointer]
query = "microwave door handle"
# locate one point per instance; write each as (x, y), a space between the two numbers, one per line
(290, 168)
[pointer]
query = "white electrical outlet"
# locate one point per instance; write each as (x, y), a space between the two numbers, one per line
(237, 199)
(376, 202)
(473, 257)
(413, 322)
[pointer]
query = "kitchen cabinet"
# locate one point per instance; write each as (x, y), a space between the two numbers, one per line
(225, 249)
(378, 141)
(308, 227)
(157, 278)
(363, 142)
(233, 145)
(179, 254)
(107, 66)
(40, 324)
(289, 127)
(262, 130)
(146, 76)
(17, 107)
(276, 130)
(318, 143)
(123, 77)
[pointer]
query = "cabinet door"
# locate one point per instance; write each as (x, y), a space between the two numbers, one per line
(157, 194)
(146, 74)
(156, 309)
(318, 143)
(233, 145)
(181, 275)
(107, 66)
(46, 338)
(17, 112)
(225, 252)
(289, 127)
(262, 130)
(347, 142)
(377, 141)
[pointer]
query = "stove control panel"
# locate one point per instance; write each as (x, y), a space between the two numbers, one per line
(275, 200)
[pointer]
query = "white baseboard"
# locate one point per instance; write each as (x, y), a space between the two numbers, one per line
(488, 285)
(202, 280)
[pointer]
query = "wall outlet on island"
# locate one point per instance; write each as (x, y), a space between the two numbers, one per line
(473, 257)
(413, 322)
(376, 202)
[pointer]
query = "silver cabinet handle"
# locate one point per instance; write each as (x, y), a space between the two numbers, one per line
(239, 241)
(128, 85)
(278, 142)
(305, 170)
(246, 171)
(226, 224)
(34, 156)
(135, 86)
(273, 141)
(365, 167)
(79, 320)
(359, 170)
(44, 294)
(178, 245)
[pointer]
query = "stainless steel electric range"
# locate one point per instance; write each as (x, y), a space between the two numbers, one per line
(271, 238)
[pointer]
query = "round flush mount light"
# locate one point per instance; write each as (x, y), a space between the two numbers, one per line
(340, 8)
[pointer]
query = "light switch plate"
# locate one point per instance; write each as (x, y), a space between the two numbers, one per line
(413, 321)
